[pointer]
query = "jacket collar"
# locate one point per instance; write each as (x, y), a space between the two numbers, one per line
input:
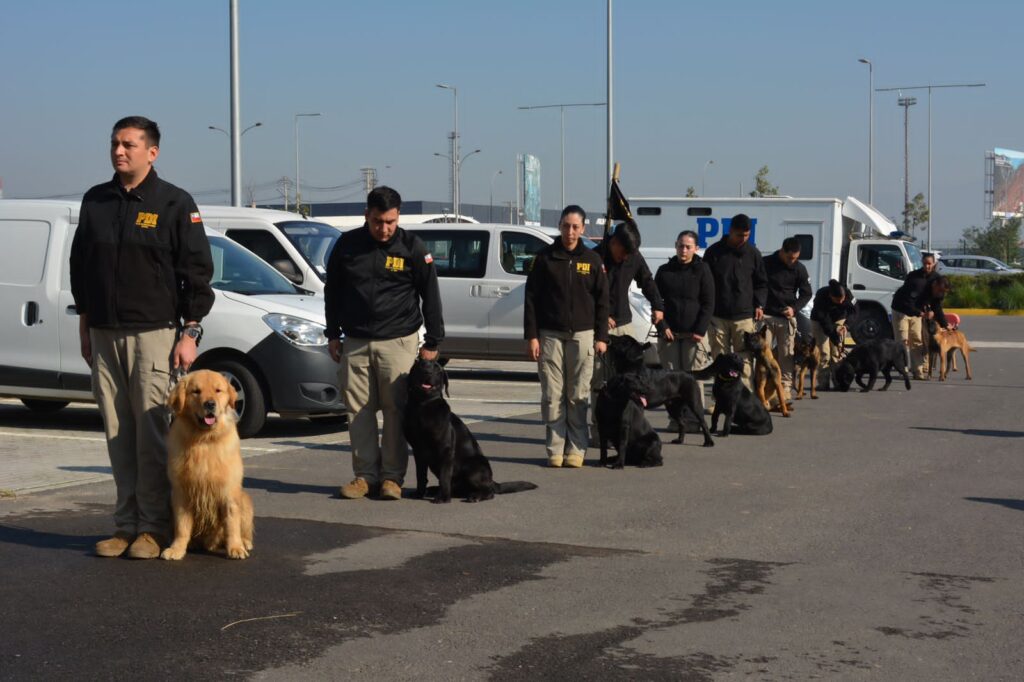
(145, 189)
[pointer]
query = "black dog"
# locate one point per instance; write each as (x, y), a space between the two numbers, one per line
(869, 359)
(441, 442)
(621, 422)
(743, 412)
(679, 392)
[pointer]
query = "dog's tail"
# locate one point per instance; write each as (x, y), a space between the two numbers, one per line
(513, 487)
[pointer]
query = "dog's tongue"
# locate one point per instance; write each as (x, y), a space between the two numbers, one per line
(643, 401)
(734, 373)
(209, 420)
(426, 387)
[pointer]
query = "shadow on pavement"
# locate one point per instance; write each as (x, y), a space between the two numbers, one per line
(993, 433)
(18, 535)
(1016, 505)
(88, 469)
(275, 486)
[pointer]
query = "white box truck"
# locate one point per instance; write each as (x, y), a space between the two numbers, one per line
(843, 239)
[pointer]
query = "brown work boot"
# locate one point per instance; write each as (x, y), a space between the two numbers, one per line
(389, 490)
(355, 489)
(146, 546)
(114, 546)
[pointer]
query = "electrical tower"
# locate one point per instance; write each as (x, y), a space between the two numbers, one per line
(369, 178)
(906, 103)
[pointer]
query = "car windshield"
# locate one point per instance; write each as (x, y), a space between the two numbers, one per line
(240, 271)
(998, 263)
(914, 253)
(313, 240)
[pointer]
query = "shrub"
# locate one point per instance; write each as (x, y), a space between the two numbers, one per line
(1010, 297)
(968, 292)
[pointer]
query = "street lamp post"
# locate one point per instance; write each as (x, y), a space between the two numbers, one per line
(906, 103)
(254, 125)
(233, 174)
(455, 149)
(561, 108)
(458, 169)
(871, 128)
(298, 190)
(490, 210)
(703, 174)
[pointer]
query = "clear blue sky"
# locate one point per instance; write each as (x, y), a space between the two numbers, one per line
(743, 83)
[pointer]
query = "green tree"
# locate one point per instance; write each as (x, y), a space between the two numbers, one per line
(690, 191)
(916, 214)
(1001, 239)
(763, 188)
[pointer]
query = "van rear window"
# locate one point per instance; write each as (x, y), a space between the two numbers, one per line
(698, 211)
(648, 210)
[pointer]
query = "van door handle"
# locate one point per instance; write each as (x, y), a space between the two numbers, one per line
(32, 314)
(859, 287)
(502, 291)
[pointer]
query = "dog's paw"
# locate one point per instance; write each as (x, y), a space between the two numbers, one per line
(237, 552)
(172, 553)
(418, 494)
(814, 397)
(709, 443)
(441, 500)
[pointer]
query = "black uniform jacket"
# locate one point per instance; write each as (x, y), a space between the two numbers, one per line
(826, 313)
(566, 292)
(740, 282)
(788, 287)
(140, 259)
(688, 291)
(915, 297)
(374, 289)
(633, 269)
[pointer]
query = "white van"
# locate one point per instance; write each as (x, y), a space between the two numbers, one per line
(264, 335)
(297, 247)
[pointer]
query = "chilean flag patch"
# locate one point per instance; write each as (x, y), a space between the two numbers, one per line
(428, 259)
(196, 218)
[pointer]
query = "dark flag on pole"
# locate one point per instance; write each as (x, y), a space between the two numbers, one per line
(618, 206)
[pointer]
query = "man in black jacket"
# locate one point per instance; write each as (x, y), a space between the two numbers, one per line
(381, 287)
(565, 321)
(140, 277)
(740, 290)
(917, 301)
(789, 290)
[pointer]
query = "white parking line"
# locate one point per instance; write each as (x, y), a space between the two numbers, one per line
(995, 344)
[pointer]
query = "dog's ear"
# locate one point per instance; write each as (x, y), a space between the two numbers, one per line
(646, 345)
(764, 332)
(444, 378)
(176, 400)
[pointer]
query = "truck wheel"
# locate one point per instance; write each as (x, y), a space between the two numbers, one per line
(251, 404)
(871, 325)
(44, 406)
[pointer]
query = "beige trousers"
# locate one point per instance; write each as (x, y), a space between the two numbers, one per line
(131, 372)
(829, 351)
(911, 330)
(783, 331)
(726, 336)
(566, 367)
(374, 375)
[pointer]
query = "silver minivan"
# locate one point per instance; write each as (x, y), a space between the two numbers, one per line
(975, 265)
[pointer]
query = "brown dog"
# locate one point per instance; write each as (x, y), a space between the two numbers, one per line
(204, 464)
(767, 373)
(807, 357)
(943, 346)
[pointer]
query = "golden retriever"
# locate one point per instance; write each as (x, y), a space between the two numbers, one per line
(204, 464)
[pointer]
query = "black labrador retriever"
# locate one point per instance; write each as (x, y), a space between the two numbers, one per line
(679, 392)
(621, 422)
(743, 412)
(442, 443)
(868, 359)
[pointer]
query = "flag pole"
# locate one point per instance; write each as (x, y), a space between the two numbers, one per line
(608, 209)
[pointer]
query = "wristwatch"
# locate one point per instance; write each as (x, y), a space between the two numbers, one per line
(195, 331)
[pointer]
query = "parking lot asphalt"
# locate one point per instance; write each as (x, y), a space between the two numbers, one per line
(874, 536)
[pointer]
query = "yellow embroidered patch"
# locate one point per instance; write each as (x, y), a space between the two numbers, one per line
(583, 268)
(394, 264)
(146, 220)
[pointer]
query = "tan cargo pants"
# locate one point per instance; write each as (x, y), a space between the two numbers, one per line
(830, 352)
(566, 367)
(374, 375)
(911, 330)
(131, 372)
(726, 336)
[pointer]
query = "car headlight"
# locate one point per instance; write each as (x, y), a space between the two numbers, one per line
(296, 330)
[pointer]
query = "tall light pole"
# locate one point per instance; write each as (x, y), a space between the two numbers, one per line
(254, 125)
(458, 168)
(871, 129)
(455, 148)
(236, 137)
(561, 108)
(608, 110)
(703, 173)
(929, 88)
(298, 190)
(231, 139)
(490, 210)
(906, 103)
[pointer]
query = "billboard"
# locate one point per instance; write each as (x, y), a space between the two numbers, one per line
(1007, 183)
(531, 189)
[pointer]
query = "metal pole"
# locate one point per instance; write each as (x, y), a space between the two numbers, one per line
(871, 128)
(928, 243)
(236, 135)
(703, 173)
(298, 189)
(490, 211)
(455, 155)
(561, 111)
(608, 99)
(906, 103)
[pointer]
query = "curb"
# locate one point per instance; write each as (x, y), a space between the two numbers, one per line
(985, 311)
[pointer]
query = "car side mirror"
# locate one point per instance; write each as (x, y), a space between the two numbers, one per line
(287, 268)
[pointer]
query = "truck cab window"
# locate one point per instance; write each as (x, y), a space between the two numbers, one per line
(457, 253)
(885, 259)
(517, 252)
(264, 245)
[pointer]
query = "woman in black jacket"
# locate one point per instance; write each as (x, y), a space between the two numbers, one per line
(688, 291)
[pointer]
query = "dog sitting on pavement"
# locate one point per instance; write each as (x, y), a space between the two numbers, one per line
(767, 372)
(806, 358)
(942, 347)
(867, 360)
(679, 392)
(743, 412)
(444, 445)
(621, 422)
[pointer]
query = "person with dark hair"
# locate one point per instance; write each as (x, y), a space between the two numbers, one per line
(741, 288)
(140, 276)
(565, 322)
(623, 265)
(789, 290)
(832, 305)
(381, 287)
(918, 300)
(687, 289)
